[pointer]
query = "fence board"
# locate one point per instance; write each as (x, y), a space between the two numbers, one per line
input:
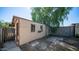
(1, 37)
(9, 34)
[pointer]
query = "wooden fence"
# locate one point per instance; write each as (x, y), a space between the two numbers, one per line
(67, 31)
(6, 35)
(0, 37)
(0, 34)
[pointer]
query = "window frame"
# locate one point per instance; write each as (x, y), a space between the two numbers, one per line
(32, 27)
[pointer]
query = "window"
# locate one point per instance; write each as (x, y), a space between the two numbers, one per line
(41, 27)
(32, 28)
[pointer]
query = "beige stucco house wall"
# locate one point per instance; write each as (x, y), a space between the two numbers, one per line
(24, 30)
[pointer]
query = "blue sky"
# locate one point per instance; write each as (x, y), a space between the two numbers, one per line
(73, 17)
(6, 14)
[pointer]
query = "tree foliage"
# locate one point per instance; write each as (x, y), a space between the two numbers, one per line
(4, 24)
(50, 16)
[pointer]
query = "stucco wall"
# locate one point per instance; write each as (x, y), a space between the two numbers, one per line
(25, 31)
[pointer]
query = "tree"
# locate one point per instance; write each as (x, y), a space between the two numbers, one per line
(50, 16)
(4, 24)
(1, 23)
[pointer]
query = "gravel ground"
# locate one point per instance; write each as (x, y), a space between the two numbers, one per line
(49, 44)
(44, 44)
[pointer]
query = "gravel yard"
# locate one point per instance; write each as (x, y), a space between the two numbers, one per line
(50, 44)
(45, 44)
